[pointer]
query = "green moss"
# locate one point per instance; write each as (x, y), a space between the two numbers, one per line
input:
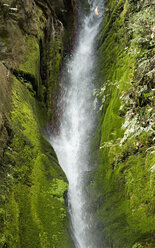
(124, 178)
(55, 57)
(35, 206)
(33, 187)
(31, 63)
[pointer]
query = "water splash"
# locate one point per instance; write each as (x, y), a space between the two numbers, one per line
(73, 143)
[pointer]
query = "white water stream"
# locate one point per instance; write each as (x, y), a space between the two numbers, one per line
(73, 143)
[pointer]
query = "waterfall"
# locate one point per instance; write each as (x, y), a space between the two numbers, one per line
(73, 143)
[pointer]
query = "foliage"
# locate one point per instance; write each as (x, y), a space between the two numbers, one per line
(137, 245)
(124, 178)
(142, 25)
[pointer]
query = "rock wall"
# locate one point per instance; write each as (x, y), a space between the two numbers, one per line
(33, 38)
(122, 184)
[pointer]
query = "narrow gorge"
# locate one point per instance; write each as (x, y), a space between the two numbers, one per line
(77, 163)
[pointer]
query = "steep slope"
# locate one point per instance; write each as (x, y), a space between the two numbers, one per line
(32, 185)
(122, 185)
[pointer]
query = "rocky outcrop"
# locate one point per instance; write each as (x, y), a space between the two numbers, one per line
(122, 185)
(33, 35)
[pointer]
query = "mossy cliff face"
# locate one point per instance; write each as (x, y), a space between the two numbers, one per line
(122, 185)
(34, 36)
(32, 185)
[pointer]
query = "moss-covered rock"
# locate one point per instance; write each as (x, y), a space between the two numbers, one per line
(123, 146)
(33, 187)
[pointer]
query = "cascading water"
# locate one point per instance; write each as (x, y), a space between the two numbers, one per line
(73, 143)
